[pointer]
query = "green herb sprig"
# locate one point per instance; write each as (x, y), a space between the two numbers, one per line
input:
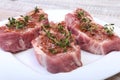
(36, 10)
(89, 27)
(86, 22)
(80, 14)
(18, 24)
(62, 43)
(41, 17)
(109, 29)
(53, 51)
(12, 22)
(61, 28)
(26, 18)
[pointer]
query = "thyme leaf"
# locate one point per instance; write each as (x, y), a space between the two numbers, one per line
(26, 18)
(61, 28)
(41, 17)
(19, 25)
(60, 42)
(85, 19)
(14, 23)
(80, 14)
(36, 10)
(53, 51)
(109, 29)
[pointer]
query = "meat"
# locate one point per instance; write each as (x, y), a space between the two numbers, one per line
(56, 49)
(17, 34)
(91, 36)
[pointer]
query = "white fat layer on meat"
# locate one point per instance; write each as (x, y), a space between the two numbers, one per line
(81, 33)
(29, 29)
(102, 51)
(41, 53)
(98, 49)
(94, 48)
(22, 44)
(8, 42)
(75, 57)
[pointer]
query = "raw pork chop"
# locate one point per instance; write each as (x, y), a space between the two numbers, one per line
(56, 49)
(17, 34)
(91, 36)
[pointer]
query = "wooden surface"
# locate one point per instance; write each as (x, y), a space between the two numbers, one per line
(106, 10)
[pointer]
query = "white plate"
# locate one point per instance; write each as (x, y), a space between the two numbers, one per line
(24, 66)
